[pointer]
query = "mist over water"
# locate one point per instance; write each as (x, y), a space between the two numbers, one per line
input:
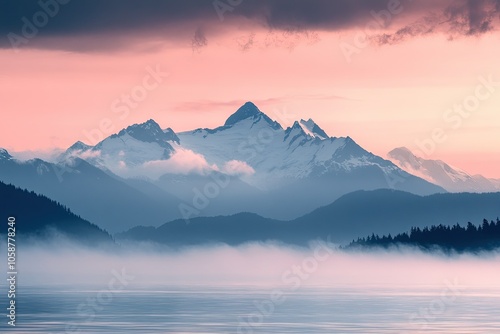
(254, 264)
(254, 288)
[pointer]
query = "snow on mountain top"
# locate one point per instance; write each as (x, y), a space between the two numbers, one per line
(79, 146)
(250, 110)
(171, 135)
(148, 132)
(245, 111)
(402, 152)
(406, 157)
(296, 132)
(150, 127)
(313, 129)
(439, 172)
(249, 140)
(276, 154)
(4, 154)
(401, 149)
(123, 151)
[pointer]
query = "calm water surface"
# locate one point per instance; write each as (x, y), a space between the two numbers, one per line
(197, 309)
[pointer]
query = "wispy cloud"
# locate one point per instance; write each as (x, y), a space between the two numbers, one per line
(47, 155)
(199, 40)
(239, 168)
(183, 161)
(460, 18)
(211, 105)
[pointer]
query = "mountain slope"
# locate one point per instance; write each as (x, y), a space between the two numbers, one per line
(130, 148)
(353, 215)
(90, 192)
(36, 215)
(232, 230)
(388, 211)
(312, 129)
(438, 172)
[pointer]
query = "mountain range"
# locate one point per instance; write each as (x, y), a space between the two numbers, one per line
(276, 172)
(103, 198)
(356, 214)
(148, 175)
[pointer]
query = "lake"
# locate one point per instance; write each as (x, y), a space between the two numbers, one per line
(243, 309)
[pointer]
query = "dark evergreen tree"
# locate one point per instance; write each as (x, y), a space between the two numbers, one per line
(39, 216)
(450, 238)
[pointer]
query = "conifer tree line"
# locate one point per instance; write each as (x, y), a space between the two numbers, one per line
(458, 238)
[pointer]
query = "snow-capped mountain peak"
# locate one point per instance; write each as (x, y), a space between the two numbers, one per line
(439, 172)
(281, 156)
(295, 132)
(299, 168)
(313, 129)
(250, 111)
(4, 155)
(426, 169)
(248, 141)
(130, 148)
(79, 146)
(171, 135)
(73, 151)
(149, 132)
(405, 158)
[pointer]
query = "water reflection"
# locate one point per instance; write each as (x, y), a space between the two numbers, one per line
(256, 310)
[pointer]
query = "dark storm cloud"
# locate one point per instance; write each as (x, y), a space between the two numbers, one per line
(97, 16)
(459, 18)
(101, 24)
(474, 17)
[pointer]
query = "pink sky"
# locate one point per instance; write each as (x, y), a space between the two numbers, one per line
(387, 96)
